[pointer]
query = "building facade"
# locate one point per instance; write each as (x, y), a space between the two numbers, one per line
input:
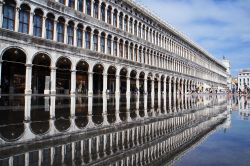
(227, 64)
(244, 80)
(94, 46)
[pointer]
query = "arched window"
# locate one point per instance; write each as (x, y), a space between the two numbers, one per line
(96, 5)
(49, 26)
(79, 35)
(139, 30)
(135, 54)
(102, 42)
(80, 5)
(103, 12)
(147, 34)
(70, 32)
(95, 41)
(131, 52)
(131, 25)
(109, 15)
(62, 1)
(126, 23)
(120, 21)
(60, 30)
(24, 17)
(88, 7)
(109, 44)
(135, 28)
(37, 23)
(9, 8)
(140, 55)
(71, 3)
(126, 50)
(121, 48)
(115, 18)
(115, 47)
(143, 32)
(87, 38)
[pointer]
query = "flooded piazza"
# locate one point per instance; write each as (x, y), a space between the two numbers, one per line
(107, 130)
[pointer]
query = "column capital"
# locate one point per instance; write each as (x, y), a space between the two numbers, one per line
(53, 68)
(73, 70)
(28, 65)
(91, 73)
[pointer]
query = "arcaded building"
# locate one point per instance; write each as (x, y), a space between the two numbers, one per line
(95, 47)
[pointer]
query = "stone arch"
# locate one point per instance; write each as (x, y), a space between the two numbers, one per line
(82, 69)
(13, 70)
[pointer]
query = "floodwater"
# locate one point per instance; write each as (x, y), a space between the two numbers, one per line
(124, 130)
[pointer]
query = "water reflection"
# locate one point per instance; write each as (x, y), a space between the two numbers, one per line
(115, 130)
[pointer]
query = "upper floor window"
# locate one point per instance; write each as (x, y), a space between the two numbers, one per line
(139, 30)
(88, 7)
(126, 24)
(96, 5)
(80, 5)
(37, 23)
(120, 20)
(60, 30)
(109, 15)
(109, 44)
(131, 26)
(136, 54)
(135, 28)
(95, 41)
(115, 47)
(121, 48)
(87, 38)
(24, 16)
(115, 18)
(103, 12)
(131, 52)
(71, 3)
(70, 32)
(126, 50)
(102, 43)
(9, 9)
(50, 26)
(79, 35)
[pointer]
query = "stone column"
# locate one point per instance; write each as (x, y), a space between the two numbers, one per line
(1, 11)
(175, 89)
(73, 82)
(27, 108)
(117, 84)
(54, 31)
(105, 79)
(53, 80)
(84, 7)
(90, 83)
(159, 88)
(65, 34)
(0, 71)
(72, 106)
(164, 87)
(169, 88)
(28, 77)
(128, 85)
(75, 36)
(31, 24)
(138, 85)
(145, 86)
(43, 35)
(152, 87)
(16, 19)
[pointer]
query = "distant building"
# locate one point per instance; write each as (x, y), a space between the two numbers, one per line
(227, 64)
(244, 79)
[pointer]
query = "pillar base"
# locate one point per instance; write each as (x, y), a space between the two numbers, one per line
(128, 93)
(28, 92)
(53, 92)
(46, 92)
(72, 93)
(90, 93)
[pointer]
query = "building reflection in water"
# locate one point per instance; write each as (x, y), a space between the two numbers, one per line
(115, 130)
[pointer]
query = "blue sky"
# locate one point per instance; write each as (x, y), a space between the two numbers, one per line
(222, 27)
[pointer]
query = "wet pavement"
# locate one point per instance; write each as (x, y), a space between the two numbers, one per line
(108, 130)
